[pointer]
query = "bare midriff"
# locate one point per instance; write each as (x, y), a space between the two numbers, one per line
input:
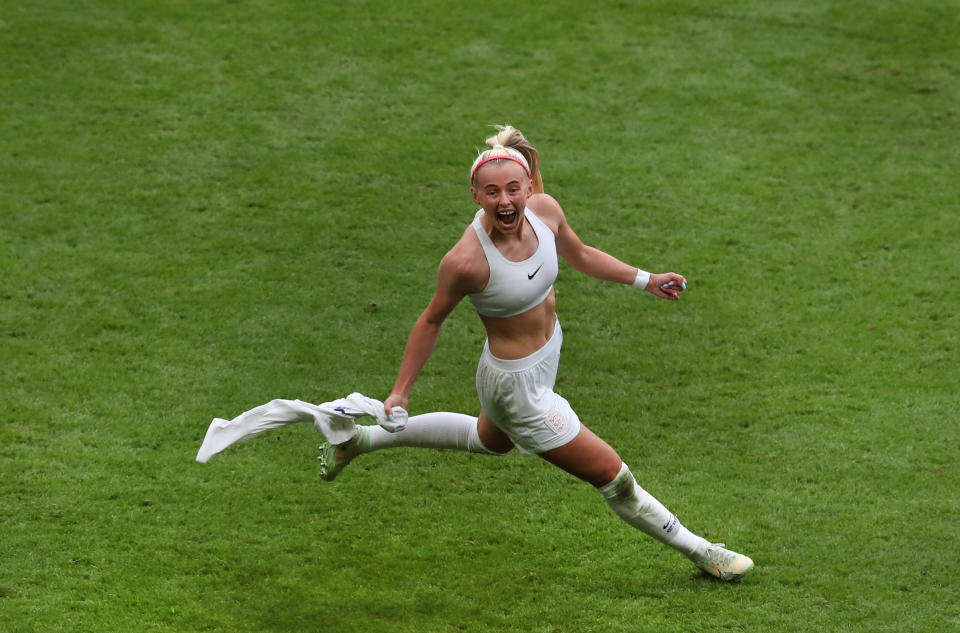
(519, 336)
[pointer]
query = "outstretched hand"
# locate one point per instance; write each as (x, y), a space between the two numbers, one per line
(395, 400)
(667, 286)
(396, 414)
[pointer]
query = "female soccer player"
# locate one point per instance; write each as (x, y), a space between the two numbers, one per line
(506, 263)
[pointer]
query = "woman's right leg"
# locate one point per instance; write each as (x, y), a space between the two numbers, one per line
(495, 440)
(440, 430)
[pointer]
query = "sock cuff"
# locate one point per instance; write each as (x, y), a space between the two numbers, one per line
(475, 444)
(610, 489)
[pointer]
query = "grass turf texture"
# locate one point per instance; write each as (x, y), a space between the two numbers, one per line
(207, 205)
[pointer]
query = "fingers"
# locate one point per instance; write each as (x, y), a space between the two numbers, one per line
(394, 402)
(395, 413)
(673, 279)
(670, 286)
(397, 419)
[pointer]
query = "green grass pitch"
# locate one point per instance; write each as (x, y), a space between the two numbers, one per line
(206, 205)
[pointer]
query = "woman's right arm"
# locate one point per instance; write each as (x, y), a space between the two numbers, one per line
(453, 283)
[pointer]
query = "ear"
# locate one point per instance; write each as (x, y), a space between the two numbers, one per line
(473, 192)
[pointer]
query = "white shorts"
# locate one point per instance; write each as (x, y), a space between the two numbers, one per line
(517, 395)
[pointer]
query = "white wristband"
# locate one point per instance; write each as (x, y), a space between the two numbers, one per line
(643, 278)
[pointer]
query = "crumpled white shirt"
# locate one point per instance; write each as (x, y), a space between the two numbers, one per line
(335, 420)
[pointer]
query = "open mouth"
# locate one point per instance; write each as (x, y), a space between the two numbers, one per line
(507, 218)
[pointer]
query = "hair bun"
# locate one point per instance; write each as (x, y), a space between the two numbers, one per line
(509, 140)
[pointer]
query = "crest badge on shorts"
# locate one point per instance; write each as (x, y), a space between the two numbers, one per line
(556, 422)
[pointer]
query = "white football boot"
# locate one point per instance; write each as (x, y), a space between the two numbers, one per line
(722, 563)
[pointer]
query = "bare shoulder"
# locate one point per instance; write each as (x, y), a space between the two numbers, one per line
(548, 210)
(465, 266)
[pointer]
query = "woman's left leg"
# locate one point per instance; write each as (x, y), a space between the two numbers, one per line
(591, 459)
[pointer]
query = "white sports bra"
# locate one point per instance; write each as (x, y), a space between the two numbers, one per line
(515, 287)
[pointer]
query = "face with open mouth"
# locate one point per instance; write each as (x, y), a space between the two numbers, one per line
(502, 189)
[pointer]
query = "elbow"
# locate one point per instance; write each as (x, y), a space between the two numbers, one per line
(580, 261)
(429, 322)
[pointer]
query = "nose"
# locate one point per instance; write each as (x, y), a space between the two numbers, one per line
(504, 200)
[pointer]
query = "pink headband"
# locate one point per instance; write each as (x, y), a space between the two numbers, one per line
(499, 157)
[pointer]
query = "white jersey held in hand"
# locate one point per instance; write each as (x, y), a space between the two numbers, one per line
(334, 420)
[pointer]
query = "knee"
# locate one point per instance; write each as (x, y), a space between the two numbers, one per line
(607, 471)
(495, 446)
(489, 436)
(489, 442)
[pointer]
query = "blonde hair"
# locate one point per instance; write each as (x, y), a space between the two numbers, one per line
(510, 144)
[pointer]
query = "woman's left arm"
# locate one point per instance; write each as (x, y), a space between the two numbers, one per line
(596, 263)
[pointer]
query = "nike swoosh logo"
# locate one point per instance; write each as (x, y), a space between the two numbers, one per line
(531, 276)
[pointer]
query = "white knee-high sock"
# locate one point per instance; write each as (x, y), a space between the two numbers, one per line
(640, 509)
(455, 431)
